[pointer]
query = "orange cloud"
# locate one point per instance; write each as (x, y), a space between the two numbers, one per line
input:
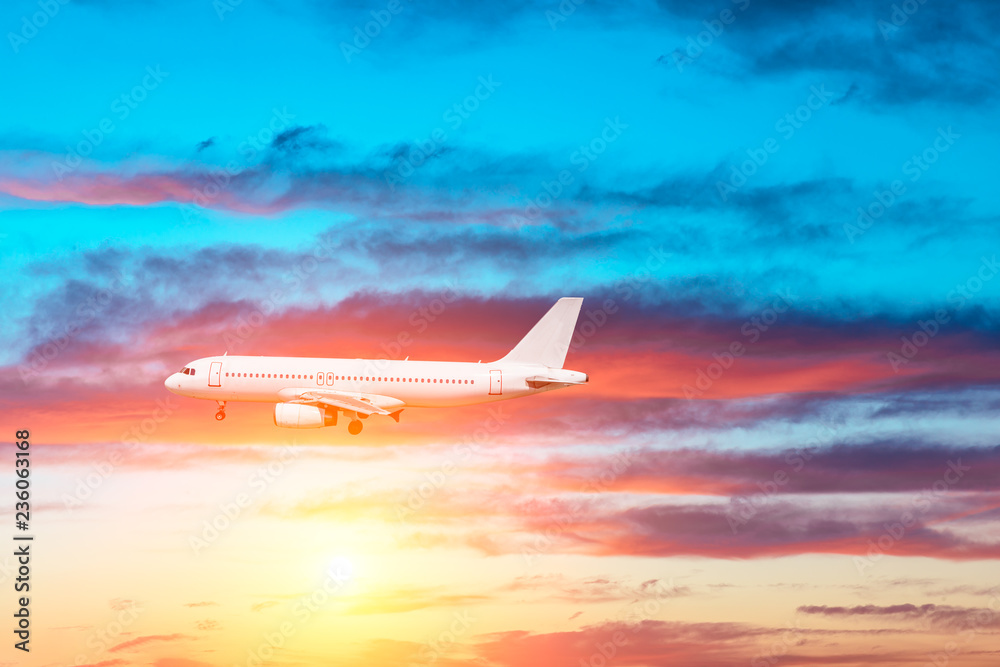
(147, 639)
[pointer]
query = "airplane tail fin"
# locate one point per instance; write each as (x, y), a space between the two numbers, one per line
(548, 341)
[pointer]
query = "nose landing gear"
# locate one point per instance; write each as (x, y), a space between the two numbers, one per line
(221, 414)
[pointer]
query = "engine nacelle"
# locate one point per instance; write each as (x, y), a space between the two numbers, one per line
(296, 415)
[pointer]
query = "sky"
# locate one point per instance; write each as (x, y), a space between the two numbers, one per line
(782, 218)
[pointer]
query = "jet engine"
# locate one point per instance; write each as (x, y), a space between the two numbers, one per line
(296, 415)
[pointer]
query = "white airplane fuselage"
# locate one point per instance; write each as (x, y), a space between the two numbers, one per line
(417, 384)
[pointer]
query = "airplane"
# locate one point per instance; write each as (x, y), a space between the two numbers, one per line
(311, 392)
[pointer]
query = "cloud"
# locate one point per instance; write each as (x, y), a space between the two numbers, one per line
(883, 466)
(930, 524)
(144, 640)
(944, 618)
(646, 641)
(304, 139)
(180, 662)
(782, 528)
(406, 599)
(936, 53)
(594, 589)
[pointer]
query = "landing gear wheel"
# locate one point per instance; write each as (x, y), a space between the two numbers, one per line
(220, 415)
(355, 427)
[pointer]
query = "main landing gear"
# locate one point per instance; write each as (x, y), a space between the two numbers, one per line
(221, 414)
(355, 427)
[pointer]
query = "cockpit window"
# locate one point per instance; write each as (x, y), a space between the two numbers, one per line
(187, 371)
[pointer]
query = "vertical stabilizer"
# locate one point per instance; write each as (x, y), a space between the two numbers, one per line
(548, 341)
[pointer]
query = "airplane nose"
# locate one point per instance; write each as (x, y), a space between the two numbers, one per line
(171, 383)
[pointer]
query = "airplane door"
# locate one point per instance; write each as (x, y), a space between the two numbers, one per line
(215, 374)
(496, 383)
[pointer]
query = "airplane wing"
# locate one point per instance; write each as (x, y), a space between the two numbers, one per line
(367, 404)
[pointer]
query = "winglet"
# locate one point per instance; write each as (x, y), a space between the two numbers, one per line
(395, 415)
(548, 341)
